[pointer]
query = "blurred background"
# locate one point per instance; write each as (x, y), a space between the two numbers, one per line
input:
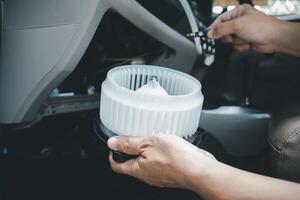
(270, 7)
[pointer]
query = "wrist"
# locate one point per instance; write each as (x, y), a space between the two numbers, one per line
(281, 35)
(201, 172)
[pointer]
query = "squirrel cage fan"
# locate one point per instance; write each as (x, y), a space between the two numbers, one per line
(141, 100)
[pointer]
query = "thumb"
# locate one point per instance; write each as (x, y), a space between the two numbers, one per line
(129, 145)
(222, 29)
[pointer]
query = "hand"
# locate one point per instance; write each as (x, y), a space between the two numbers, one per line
(169, 161)
(246, 28)
(163, 160)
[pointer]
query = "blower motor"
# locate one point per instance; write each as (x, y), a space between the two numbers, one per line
(142, 100)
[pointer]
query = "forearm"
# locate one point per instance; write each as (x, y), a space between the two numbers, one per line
(288, 38)
(221, 182)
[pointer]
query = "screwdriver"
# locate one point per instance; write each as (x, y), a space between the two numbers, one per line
(201, 33)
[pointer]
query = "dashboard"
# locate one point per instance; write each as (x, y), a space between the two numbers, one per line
(65, 48)
(170, 12)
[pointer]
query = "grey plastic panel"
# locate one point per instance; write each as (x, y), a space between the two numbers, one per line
(1, 23)
(20, 14)
(21, 99)
(143, 19)
(44, 40)
(29, 47)
(242, 131)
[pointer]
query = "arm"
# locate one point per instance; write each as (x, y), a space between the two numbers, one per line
(169, 161)
(247, 28)
(289, 40)
(224, 182)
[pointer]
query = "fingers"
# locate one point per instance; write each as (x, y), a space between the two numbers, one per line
(231, 15)
(233, 39)
(238, 44)
(129, 145)
(227, 16)
(228, 38)
(130, 167)
(223, 29)
(238, 41)
(242, 47)
(263, 48)
(218, 28)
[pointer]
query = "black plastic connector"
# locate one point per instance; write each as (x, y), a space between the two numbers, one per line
(103, 133)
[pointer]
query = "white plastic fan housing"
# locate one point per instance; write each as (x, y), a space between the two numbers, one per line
(140, 100)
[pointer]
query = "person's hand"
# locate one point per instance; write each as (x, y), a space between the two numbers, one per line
(163, 160)
(246, 28)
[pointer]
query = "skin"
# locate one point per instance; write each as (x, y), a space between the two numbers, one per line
(247, 28)
(169, 161)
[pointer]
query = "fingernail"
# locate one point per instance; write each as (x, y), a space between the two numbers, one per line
(112, 143)
(210, 33)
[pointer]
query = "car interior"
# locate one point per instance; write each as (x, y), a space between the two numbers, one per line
(55, 55)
